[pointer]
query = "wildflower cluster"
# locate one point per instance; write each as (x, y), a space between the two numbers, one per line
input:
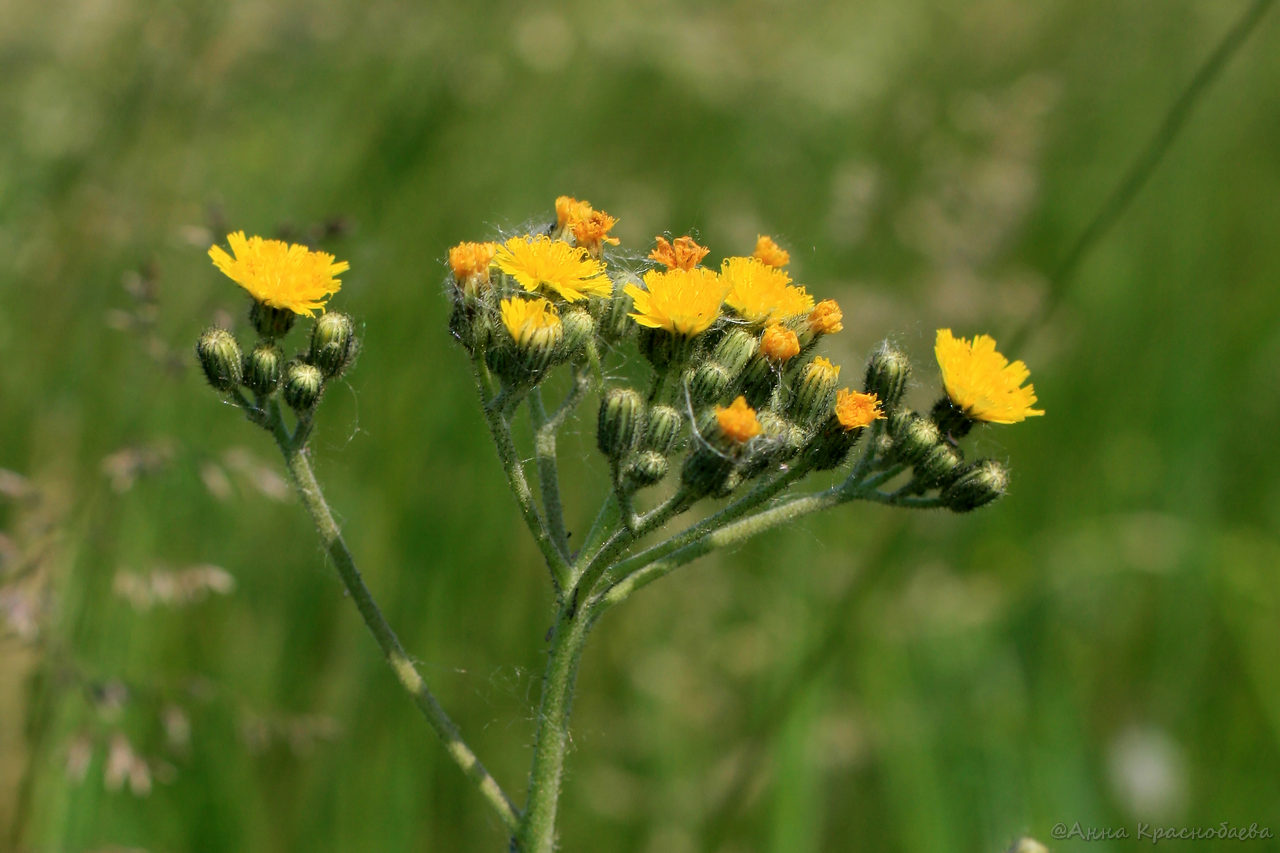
(735, 402)
(737, 389)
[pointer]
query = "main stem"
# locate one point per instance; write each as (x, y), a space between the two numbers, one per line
(308, 490)
(537, 830)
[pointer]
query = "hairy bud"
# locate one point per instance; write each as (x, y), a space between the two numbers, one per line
(220, 358)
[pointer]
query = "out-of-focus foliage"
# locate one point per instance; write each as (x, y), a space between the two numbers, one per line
(180, 670)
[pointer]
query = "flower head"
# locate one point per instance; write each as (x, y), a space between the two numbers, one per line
(684, 302)
(540, 262)
(826, 318)
(778, 343)
(279, 274)
(761, 293)
(470, 263)
(570, 210)
(531, 322)
(738, 420)
(855, 409)
(593, 230)
(683, 254)
(770, 253)
(981, 382)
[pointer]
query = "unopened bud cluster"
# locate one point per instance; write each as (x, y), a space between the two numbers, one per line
(736, 386)
(285, 282)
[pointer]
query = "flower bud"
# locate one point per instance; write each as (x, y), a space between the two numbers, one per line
(620, 423)
(615, 324)
(333, 343)
(779, 344)
(951, 420)
(271, 322)
(644, 469)
(705, 470)
(262, 368)
(758, 380)
(579, 328)
(220, 358)
(725, 435)
(830, 445)
(734, 351)
(887, 373)
(302, 386)
(708, 383)
(976, 485)
(816, 393)
(665, 350)
(939, 465)
(913, 436)
(662, 429)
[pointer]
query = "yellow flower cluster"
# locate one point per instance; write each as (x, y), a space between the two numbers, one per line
(731, 347)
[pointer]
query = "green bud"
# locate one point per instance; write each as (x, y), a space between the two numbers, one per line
(665, 350)
(220, 358)
(887, 373)
(783, 440)
(729, 484)
(951, 421)
(262, 368)
(831, 444)
(913, 436)
(662, 429)
(644, 469)
(333, 343)
(816, 394)
(579, 328)
(939, 465)
(620, 423)
(735, 350)
(708, 383)
(302, 386)
(615, 324)
(976, 485)
(706, 470)
(271, 322)
(757, 382)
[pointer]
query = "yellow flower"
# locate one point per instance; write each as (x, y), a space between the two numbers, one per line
(738, 420)
(684, 254)
(855, 409)
(826, 318)
(538, 262)
(684, 302)
(470, 262)
(761, 293)
(278, 274)
(981, 382)
(778, 343)
(591, 231)
(770, 253)
(531, 322)
(570, 210)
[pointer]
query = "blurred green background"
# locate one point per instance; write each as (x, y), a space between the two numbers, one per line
(1099, 647)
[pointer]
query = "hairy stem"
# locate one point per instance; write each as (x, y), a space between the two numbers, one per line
(407, 674)
(500, 430)
(544, 446)
(537, 830)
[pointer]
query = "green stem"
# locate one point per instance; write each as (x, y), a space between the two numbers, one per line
(499, 429)
(544, 446)
(537, 830)
(407, 674)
